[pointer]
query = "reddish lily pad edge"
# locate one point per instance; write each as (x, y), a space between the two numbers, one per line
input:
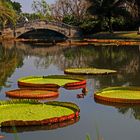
(50, 121)
(81, 81)
(42, 128)
(27, 95)
(102, 99)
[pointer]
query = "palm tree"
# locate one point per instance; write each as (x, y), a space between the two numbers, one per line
(106, 9)
(7, 14)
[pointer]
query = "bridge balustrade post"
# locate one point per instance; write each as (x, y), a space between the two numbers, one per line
(69, 31)
(13, 31)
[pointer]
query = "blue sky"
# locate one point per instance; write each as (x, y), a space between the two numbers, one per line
(26, 4)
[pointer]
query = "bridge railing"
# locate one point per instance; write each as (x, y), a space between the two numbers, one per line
(63, 25)
(59, 24)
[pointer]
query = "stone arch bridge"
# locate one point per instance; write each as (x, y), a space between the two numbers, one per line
(64, 29)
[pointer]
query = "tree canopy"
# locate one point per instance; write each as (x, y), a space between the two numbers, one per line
(108, 9)
(16, 5)
(7, 12)
(42, 8)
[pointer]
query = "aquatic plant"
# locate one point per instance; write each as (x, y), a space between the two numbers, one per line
(89, 71)
(32, 112)
(15, 130)
(32, 93)
(52, 81)
(119, 94)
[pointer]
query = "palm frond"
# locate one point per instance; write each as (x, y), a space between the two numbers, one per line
(7, 12)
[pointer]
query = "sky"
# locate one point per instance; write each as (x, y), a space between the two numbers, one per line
(26, 4)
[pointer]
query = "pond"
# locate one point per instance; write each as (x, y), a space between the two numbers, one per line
(98, 121)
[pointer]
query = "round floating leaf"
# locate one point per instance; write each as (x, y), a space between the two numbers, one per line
(38, 128)
(51, 81)
(32, 93)
(119, 94)
(89, 71)
(28, 112)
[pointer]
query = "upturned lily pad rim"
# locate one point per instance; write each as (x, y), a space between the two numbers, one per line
(76, 87)
(49, 121)
(26, 93)
(115, 104)
(99, 97)
(89, 71)
(38, 128)
(80, 81)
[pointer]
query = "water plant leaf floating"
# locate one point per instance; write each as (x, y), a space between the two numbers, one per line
(51, 81)
(119, 94)
(90, 71)
(32, 112)
(31, 93)
(38, 128)
(76, 87)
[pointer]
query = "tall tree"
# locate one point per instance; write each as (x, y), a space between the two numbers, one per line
(138, 5)
(134, 7)
(108, 9)
(73, 8)
(41, 8)
(7, 13)
(16, 6)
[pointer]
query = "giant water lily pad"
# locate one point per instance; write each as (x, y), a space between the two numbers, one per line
(38, 128)
(32, 93)
(119, 94)
(90, 71)
(28, 112)
(50, 81)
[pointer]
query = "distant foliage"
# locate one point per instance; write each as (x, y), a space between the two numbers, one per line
(107, 10)
(41, 8)
(16, 6)
(7, 14)
(73, 8)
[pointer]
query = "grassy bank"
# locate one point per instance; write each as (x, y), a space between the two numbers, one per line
(123, 35)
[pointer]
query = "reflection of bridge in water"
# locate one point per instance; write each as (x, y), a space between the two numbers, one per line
(56, 28)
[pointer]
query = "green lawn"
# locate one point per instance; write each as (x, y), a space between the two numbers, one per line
(117, 35)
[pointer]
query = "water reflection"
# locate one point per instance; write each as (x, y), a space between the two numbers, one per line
(133, 110)
(10, 59)
(20, 59)
(123, 108)
(126, 60)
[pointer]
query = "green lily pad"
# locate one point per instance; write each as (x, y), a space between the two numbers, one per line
(89, 71)
(39, 128)
(119, 94)
(50, 81)
(29, 112)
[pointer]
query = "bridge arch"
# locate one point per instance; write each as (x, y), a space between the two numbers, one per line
(54, 27)
(43, 34)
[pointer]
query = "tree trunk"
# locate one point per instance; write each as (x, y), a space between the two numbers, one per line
(110, 25)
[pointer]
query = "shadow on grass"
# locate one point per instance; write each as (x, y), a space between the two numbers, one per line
(132, 35)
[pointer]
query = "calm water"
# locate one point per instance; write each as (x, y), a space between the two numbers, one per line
(100, 122)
